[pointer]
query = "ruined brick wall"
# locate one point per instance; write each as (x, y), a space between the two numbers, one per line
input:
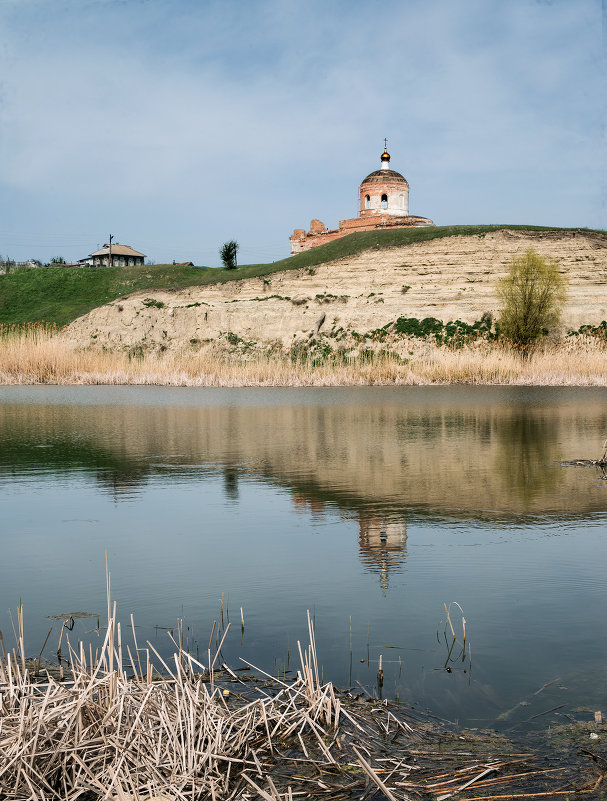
(301, 241)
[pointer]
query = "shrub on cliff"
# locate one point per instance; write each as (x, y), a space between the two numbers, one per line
(455, 333)
(532, 297)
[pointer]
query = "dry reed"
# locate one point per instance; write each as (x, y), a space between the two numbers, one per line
(39, 356)
(116, 728)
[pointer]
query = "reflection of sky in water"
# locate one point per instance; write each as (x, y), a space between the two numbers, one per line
(365, 532)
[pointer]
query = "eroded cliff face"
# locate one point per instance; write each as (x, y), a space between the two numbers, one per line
(451, 278)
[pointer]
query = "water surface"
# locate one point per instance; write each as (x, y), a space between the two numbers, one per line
(370, 507)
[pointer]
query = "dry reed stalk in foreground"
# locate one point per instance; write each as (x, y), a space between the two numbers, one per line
(41, 357)
(117, 729)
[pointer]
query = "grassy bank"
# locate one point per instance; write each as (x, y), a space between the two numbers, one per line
(59, 295)
(38, 355)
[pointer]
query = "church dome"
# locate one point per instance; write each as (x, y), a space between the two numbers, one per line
(384, 192)
(383, 175)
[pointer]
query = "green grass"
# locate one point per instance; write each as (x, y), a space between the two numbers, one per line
(60, 295)
(55, 294)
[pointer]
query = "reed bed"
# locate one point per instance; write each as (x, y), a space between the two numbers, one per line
(43, 356)
(123, 723)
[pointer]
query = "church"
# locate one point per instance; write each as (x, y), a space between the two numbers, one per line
(384, 203)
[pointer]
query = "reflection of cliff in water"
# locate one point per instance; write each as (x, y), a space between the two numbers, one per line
(442, 452)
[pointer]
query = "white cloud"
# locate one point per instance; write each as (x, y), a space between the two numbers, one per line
(237, 119)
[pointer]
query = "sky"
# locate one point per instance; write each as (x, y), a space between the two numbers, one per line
(176, 125)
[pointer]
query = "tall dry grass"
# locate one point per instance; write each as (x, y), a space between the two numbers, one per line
(39, 355)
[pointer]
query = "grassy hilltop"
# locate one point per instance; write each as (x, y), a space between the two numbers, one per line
(59, 295)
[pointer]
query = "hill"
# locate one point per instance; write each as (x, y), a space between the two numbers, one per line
(58, 295)
(443, 276)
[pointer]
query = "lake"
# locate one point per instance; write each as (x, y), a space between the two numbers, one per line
(372, 508)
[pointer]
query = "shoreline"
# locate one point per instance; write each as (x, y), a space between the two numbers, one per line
(38, 356)
(121, 722)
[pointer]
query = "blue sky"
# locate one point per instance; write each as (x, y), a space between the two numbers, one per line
(178, 124)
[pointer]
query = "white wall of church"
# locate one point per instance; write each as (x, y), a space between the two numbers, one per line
(398, 202)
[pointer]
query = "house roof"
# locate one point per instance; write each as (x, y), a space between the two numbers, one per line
(117, 250)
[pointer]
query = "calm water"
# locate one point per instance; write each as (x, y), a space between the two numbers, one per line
(370, 507)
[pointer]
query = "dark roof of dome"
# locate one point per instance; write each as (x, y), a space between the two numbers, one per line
(379, 176)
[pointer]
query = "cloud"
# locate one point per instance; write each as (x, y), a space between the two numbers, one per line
(223, 119)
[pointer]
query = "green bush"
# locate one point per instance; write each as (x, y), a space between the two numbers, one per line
(455, 333)
(532, 297)
(599, 331)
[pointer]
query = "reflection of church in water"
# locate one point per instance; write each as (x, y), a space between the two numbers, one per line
(382, 540)
(383, 545)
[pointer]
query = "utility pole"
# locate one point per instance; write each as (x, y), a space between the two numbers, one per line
(110, 254)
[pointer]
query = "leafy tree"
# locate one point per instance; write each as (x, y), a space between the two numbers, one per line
(532, 297)
(57, 260)
(228, 253)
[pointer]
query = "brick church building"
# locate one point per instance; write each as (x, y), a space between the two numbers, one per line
(384, 203)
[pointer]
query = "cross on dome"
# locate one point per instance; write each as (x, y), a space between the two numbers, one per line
(385, 156)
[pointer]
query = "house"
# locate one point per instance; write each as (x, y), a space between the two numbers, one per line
(114, 255)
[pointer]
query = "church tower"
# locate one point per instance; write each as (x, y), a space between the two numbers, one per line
(384, 191)
(384, 203)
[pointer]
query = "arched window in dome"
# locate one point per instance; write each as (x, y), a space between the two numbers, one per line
(384, 201)
(367, 201)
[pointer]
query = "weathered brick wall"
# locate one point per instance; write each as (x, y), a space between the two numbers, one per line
(308, 241)
(301, 241)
